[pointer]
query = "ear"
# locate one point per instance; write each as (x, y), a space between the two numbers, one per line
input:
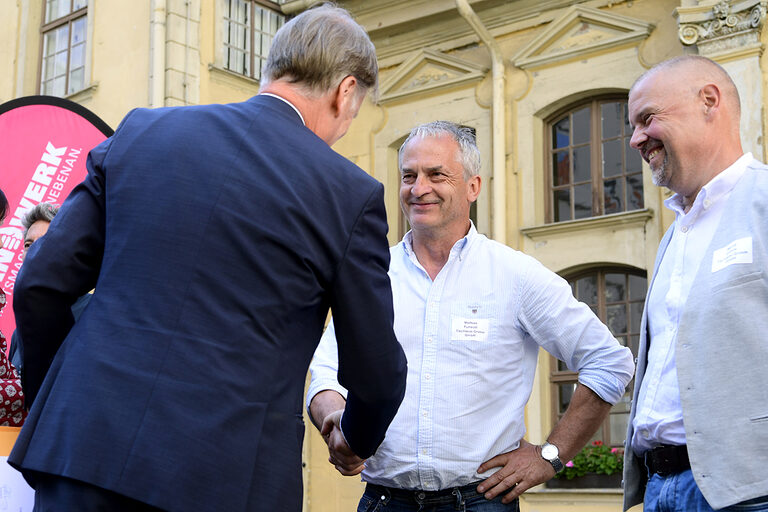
(710, 96)
(346, 95)
(473, 188)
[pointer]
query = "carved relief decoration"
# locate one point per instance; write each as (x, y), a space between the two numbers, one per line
(722, 26)
(426, 71)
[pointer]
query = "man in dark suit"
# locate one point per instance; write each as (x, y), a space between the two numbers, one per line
(217, 236)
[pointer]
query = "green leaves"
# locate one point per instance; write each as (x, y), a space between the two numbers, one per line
(594, 458)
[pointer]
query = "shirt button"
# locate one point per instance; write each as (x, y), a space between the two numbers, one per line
(707, 203)
(645, 434)
(684, 229)
(424, 451)
(424, 414)
(429, 340)
(427, 376)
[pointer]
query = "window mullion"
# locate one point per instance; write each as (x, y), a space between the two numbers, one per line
(597, 161)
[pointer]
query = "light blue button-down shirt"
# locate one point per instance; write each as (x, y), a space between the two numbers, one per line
(659, 416)
(472, 339)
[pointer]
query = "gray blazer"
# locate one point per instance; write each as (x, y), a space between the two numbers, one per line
(721, 353)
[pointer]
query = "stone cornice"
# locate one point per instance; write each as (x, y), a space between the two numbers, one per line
(633, 219)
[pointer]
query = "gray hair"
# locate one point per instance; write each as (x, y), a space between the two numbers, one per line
(42, 211)
(469, 154)
(319, 47)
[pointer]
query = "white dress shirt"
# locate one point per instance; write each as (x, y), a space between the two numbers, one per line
(659, 416)
(472, 339)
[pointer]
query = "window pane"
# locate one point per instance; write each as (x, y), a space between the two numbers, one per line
(62, 38)
(611, 115)
(586, 289)
(637, 287)
(612, 158)
(617, 319)
(582, 201)
(613, 196)
(562, 200)
(581, 125)
(565, 395)
(619, 423)
(615, 287)
(634, 162)
(60, 66)
(635, 192)
(77, 57)
(79, 4)
(58, 87)
(560, 138)
(581, 164)
(560, 168)
(634, 344)
(76, 80)
(78, 31)
(635, 315)
(55, 9)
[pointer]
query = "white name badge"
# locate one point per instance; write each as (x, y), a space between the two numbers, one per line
(738, 251)
(469, 329)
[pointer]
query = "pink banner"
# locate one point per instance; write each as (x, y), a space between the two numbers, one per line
(44, 142)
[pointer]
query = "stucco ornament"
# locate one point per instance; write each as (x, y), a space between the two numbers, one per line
(725, 25)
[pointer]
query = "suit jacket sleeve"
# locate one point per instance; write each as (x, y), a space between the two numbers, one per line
(372, 364)
(60, 267)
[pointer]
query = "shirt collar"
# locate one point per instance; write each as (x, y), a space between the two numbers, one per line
(459, 246)
(286, 101)
(718, 187)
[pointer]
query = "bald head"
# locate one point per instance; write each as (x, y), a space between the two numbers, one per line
(690, 73)
(685, 117)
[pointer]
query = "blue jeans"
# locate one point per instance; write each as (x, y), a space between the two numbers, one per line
(679, 493)
(463, 499)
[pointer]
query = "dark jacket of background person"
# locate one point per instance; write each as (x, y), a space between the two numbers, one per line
(217, 237)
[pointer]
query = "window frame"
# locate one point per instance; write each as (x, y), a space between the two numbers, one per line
(55, 24)
(559, 377)
(251, 37)
(596, 166)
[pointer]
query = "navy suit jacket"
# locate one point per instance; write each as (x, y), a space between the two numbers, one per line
(217, 237)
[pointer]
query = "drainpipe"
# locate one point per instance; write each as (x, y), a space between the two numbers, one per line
(157, 54)
(499, 198)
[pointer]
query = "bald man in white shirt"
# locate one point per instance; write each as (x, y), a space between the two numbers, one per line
(698, 427)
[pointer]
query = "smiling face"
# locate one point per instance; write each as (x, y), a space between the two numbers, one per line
(669, 126)
(434, 194)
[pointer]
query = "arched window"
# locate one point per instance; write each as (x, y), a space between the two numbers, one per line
(591, 170)
(616, 295)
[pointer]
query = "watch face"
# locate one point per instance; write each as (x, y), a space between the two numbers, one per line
(549, 451)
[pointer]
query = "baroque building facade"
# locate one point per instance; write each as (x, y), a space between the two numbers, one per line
(543, 83)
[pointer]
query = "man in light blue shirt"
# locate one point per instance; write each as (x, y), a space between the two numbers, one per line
(471, 315)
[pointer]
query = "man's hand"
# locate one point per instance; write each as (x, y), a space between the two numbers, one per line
(341, 455)
(520, 470)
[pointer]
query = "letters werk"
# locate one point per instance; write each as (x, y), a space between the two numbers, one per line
(47, 182)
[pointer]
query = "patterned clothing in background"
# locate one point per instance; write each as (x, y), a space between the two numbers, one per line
(12, 412)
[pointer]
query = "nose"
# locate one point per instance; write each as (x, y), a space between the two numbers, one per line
(638, 138)
(420, 186)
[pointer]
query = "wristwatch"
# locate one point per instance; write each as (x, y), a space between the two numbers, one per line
(551, 454)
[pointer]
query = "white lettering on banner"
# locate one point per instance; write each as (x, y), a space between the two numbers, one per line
(469, 329)
(738, 251)
(33, 194)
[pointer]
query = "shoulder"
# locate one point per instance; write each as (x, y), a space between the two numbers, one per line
(485, 249)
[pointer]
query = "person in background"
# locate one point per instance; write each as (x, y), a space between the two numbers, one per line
(36, 222)
(12, 411)
(471, 315)
(698, 428)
